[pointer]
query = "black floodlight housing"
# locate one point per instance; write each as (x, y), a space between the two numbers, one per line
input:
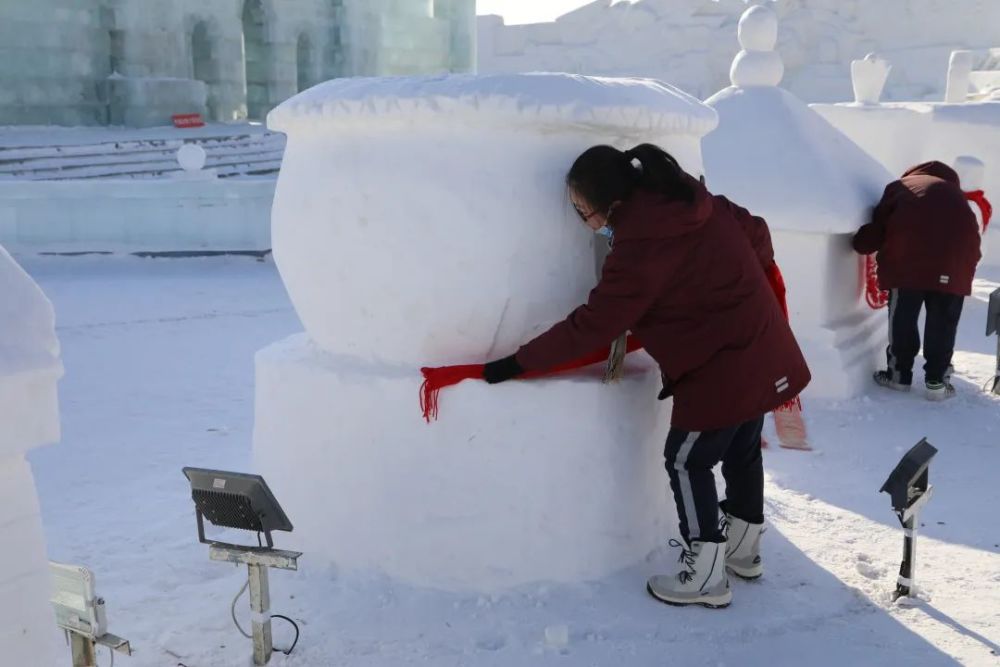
(909, 490)
(993, 315)
(235, 500)
(909, 479)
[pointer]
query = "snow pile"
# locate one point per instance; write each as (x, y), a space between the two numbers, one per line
(783, 161)
(425, 222)
(29, 363)
(29, 369)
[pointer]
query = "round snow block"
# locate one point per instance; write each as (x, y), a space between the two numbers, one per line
(556, 480)
(191, 157)
(425, 220)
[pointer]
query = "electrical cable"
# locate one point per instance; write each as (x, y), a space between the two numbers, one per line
(232, 612)
(294, 641)
(232, 609)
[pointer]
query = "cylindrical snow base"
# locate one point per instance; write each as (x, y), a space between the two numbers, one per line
(546, 480)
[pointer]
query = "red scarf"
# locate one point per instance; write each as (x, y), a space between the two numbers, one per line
(978, 197)
(436, 379)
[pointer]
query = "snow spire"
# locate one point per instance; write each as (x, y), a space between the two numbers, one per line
(758, 64)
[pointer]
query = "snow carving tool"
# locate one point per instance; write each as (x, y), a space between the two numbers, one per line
(244, 502)
(909, 491)
(993, 328)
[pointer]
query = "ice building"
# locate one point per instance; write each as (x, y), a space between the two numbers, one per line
(30, 368)
(137, 62)
(424, 222)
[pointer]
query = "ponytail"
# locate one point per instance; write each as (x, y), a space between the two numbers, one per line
(661, 173)
(603, 175)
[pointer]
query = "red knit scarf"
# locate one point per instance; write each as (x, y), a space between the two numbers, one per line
(878, 298)
(436, 379)
(978, 197)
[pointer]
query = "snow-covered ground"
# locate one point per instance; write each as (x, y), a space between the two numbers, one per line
(159, 375)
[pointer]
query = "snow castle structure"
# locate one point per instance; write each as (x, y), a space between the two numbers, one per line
(30, 368)
(815, 187)
(424, 222)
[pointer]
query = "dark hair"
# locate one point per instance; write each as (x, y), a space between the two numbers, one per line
(603, 175)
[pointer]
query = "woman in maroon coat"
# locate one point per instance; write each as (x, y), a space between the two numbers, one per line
(686, 276)
(928, 244)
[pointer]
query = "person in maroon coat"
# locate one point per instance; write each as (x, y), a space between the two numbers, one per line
(684, 279)
(928, 244)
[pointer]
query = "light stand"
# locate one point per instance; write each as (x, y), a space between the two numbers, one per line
(993, 327)
(244, 502)
(909, 490)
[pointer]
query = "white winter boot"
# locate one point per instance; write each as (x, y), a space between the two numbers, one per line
(703, 581)
(743, 547)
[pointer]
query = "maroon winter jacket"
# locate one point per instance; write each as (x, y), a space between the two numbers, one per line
(683, 278)
(926, 236)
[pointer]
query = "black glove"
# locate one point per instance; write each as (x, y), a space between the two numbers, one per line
(502, 370)
(668, 388)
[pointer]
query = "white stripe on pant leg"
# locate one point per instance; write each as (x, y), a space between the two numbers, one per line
(893, 301)
(687, 493)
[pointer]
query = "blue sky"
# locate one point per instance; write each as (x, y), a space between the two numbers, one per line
(528, 11)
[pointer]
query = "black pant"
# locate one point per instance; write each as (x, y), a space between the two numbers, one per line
(690, 459)
(940, 327)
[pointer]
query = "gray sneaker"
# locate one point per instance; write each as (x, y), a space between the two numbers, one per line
(888, 380)
(940, 391)
(703, 581)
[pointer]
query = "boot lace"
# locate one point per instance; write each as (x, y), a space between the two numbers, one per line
(687, 559)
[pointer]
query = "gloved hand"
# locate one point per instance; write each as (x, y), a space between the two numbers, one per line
(502, 370)
(668, 388)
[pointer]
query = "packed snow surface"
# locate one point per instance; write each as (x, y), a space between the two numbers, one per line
(159, 358)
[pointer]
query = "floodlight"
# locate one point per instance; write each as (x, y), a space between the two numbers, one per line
(235, 500)
(909, 491)
(80, 612)
(244, 502)
(993, 327)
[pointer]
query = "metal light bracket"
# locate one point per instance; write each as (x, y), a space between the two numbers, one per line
(257, 560)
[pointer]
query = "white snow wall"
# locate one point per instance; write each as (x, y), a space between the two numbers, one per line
(903, 135)
(425, 222)
(691, 43)
(29, 411)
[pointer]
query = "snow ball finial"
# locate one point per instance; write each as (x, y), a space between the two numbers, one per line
(758, 64)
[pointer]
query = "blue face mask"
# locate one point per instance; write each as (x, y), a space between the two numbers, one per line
(605, 231)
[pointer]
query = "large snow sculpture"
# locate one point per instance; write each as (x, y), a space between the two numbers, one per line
(424, 221)
(30, 367)
(815, 187)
